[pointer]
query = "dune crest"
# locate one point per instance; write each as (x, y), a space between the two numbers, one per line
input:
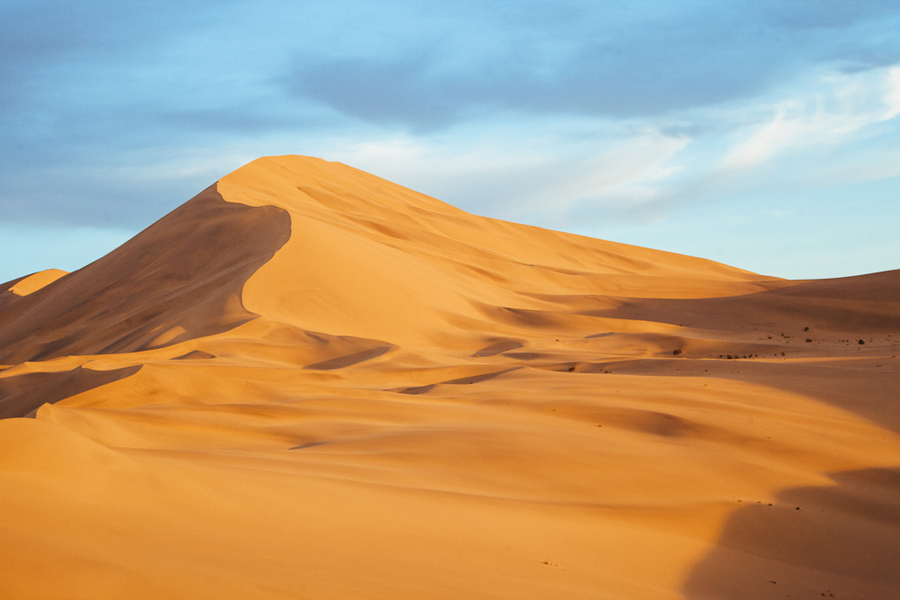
(179, 279)
(309, 382)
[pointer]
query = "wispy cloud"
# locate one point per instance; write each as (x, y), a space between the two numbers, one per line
(528, 169)
(841, 106)
(541, 171)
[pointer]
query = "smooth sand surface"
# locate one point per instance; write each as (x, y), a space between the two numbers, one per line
(308, 382)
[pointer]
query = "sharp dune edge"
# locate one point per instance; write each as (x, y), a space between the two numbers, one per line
(308, 382)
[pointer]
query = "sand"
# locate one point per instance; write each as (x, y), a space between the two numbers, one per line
(308, 382)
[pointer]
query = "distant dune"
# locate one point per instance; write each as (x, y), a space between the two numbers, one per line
(309, 382)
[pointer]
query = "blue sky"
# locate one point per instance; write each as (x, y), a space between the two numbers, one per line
(764, 133)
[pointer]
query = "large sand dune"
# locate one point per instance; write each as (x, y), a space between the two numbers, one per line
(308, 382)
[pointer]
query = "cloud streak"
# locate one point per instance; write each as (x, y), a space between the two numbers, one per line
(844, 105)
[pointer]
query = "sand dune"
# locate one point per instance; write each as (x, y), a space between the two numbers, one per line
(308, 382)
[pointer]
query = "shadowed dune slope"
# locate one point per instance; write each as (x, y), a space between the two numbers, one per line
(181, 278)
(853, 304)
(309, 382)
(22, 395)
(12, 291)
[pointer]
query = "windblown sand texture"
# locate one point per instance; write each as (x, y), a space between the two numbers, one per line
(308, 382)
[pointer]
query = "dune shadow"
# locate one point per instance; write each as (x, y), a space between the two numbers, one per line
(854, 304)
(834, 541)
(871, 394)
(21, 395)
(348, 360)
(423, 389)
(414, 391)
(195, 355)
(478, 378)
(179, 279)
(840, 541)
(308, 445)
(498, 348)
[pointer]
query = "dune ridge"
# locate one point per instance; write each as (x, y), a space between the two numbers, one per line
(308, 381)
(179, 279)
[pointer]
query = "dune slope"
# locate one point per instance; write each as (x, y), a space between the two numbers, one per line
(308, 382)
(181, 278)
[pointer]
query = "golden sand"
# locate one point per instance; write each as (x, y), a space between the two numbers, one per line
(308, 382)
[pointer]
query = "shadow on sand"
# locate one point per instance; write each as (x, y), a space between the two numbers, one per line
(834, 542)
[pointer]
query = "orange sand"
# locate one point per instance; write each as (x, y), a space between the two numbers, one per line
(308, 382)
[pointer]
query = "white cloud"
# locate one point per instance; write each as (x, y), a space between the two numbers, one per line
(528, 171)
(836, 109)
(831, 129)
(764, 141)
(892, 97)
